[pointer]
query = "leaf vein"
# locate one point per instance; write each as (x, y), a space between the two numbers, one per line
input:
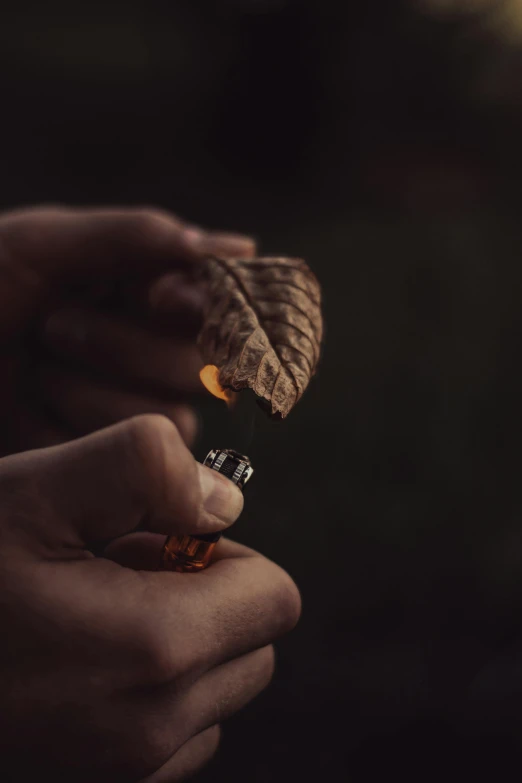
(286, 302)
(297, 350)
(275, 320)
(290, 284)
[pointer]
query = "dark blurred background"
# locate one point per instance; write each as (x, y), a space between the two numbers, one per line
(381, 142)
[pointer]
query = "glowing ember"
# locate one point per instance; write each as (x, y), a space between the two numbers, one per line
(210, 379)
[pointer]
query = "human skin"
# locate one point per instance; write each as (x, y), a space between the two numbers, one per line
(112, 670)
(99, 309)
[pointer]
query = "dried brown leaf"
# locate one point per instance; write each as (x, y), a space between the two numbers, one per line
(263, 327)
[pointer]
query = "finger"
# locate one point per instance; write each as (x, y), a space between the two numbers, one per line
(213, 698)
(135, 473)
(225, 690)
(193, 755)
(65, 243)
(178, 298)
(216, 696)
(242, 602)
(172, 299)
(224, 243)
(85, 404)
(122, 349)
(58, 242)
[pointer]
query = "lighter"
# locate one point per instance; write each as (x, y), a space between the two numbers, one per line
(193, 553)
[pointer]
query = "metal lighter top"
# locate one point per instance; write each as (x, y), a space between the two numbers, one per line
(230, 463)
(193, 553)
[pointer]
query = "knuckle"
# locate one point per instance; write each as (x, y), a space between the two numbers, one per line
(287, 602)
(149, 428)
(149, 746)
(158, 663)
(186, 421)
(197, 752)
(266, 665)
(162, 470)
(150, 223)
(152, 445)
(211, 738)
(149, 437)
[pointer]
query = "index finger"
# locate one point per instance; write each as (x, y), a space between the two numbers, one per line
(242, 602)
(61, 242)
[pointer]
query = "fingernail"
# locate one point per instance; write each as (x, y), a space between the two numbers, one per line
(65, 328)
(222, 500)
(220, 243)
(227, 244)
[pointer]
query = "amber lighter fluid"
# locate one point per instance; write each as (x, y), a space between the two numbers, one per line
(193, 553)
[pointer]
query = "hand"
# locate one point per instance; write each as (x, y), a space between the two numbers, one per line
(107, 672)
(98, 314)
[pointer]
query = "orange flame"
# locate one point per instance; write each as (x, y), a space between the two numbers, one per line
(209, 376)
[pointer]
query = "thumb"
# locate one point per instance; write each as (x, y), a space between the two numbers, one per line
(138, 473)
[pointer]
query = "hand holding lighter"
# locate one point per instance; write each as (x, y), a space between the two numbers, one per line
(193, 553)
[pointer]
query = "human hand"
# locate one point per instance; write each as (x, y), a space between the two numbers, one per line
(99, 309)
(110, 670)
